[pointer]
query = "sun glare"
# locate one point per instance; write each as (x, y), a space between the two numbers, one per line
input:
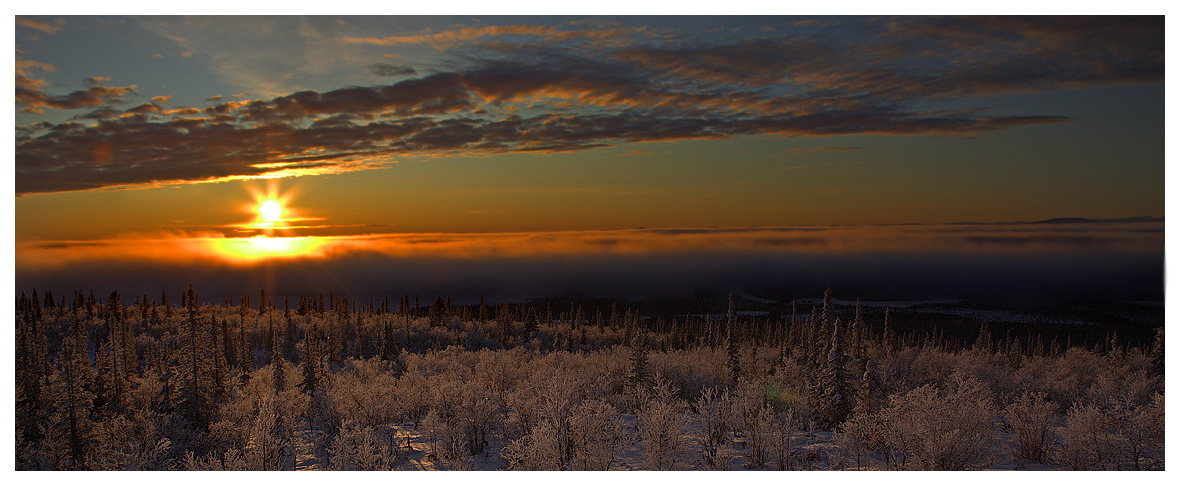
(274, 235)
(270, 211)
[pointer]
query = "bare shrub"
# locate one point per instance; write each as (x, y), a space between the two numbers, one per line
(1030, 420)
(941, 430)
(1089, 440)
(448, 443)
(596, 436)
(266, 444)
(1073, 376)
(713, 408)
(865, 434)
(691, 370)
(1139, 429)
(660, 423)
(539, 450)
(567, 433)
(323, 411)
(1146, 435)
(780, 438)
(1126, 384)
(480, 413)
(752, 416)
(359, 448)
(361, 392)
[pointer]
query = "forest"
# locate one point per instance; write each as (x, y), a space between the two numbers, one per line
(322, 382)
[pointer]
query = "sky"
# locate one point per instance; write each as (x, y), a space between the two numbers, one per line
(153, 142)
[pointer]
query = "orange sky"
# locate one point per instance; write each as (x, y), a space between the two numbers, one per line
(148, 140)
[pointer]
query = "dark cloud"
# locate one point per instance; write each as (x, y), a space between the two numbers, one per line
(99, 114)
(36, 99)
(580, 91)
(382, 69)
(145, 108)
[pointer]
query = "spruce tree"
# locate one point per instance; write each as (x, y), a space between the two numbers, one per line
(192, 398)
(735, 366)
(310, 361)
(638, 372)
(71, 422)
(983, 342)
(31, 378)
(1157, 351)
(835, 396)
(278, 366)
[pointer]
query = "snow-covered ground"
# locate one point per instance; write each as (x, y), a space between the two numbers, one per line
(818, 450)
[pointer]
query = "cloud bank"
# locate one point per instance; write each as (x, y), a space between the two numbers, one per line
(1063, 261)
(529, 88)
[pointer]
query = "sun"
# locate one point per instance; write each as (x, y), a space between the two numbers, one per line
(270, 211)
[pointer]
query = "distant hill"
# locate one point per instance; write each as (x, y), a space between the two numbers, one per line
(1066, 221)
(1132, 219)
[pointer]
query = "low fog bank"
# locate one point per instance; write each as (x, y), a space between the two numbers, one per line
(1054, 276)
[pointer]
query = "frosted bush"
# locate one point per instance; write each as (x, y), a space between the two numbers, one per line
(1030, 420)
(539, 450)
(941, 429)
(561, 429)
(361, 391)
(1135, 385)
(596, 436)
(692, 370)
(661, 422)
(448, 443)
(1116, 435)
(1146, 435)
(864, 434)
(752, 417)
(480, 413)
(360, 448)
(780, 439)
(1072, 377)
(1089, 439)
(713, 408)
(266, 443)
(323, 411)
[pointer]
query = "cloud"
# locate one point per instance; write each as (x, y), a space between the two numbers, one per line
(144, 108)
(33, 98)
(41, 26)
(803, 150)
(530, 88)
(161, 99)
(468, 34)
(382, 69)
(25, 77)
(636, 152)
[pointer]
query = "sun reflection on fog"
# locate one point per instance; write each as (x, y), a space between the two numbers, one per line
(263, 247)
